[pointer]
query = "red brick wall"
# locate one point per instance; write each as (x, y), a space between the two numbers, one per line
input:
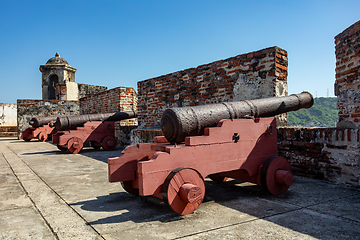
(331, 154)
(347, 84)
(253, 75)
(113, 100)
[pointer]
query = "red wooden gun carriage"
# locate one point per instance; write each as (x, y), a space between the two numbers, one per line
(40, 129)
(98, 129)
(229, 140)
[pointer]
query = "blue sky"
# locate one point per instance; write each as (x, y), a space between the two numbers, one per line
(118, 43)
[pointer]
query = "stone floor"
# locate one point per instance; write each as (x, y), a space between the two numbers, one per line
(48, 194)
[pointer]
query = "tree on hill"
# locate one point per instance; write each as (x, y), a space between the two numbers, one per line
(322, 114)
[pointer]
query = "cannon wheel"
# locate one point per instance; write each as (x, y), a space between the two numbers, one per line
(183, 190)
(218, 178)
(95, 145)
(42, 136)
(108, 143)
(61, 148)
(75, 144)
(276, 176)
(127, 186)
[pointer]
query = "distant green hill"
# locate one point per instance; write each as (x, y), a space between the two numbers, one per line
(322, 114)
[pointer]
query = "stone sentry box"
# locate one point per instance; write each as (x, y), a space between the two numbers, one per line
(57, 71)
(253, 75)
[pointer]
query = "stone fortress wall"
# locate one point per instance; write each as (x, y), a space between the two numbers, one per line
(258, 74)
(29, 108)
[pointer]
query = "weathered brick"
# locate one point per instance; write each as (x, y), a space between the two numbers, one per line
(322, 157)
(230, 79)
(348, 72)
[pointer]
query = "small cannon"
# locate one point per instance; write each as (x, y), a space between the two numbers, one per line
(98, 129)
(40, 129)
(230, 140)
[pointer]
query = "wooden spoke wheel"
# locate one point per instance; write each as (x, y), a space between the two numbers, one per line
(276, 175)
(183, 190)
(42, 136)
(95, 145)
(61, 148)
(75, 144)
(218, 178)
(127, 186)
(108, 143)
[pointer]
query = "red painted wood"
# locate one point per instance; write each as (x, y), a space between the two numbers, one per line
(97, 132)
(217, 153)
(42, 136)
(108, 143)
(160, 139)
(42, 133)
(174, 184)
(252, 149)
(75, 144)
(123, 168)
(272, 180)
(284, 177)
(128, 186)
(190, 193)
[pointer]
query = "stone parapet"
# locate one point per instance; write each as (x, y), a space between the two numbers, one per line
(29, 108)
(330, 154)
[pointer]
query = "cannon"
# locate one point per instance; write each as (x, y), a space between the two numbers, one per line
(242, 145)
(40, 129)
(177, 123)
(98, 129)
(71, 122)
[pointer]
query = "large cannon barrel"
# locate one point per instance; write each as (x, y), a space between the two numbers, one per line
(71, 122)
(39, 121)
(178, 123)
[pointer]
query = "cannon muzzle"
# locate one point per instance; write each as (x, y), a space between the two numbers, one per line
(71, 122)
(178, 123)
(39, 121)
